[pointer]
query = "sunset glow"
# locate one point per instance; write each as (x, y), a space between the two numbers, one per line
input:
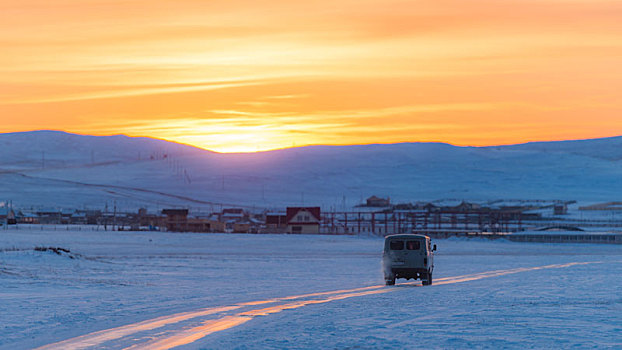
(245, 76)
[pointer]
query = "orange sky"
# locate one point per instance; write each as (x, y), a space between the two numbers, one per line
(254, 75)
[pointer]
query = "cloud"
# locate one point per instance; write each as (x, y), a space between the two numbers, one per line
(339, 71)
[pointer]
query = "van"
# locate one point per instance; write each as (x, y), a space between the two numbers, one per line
(408, 256)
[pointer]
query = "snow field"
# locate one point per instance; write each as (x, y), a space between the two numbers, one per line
(121, 278)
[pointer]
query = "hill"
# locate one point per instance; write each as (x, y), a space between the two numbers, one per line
(57, 169)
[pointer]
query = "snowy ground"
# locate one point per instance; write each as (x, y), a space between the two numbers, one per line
(231, 291)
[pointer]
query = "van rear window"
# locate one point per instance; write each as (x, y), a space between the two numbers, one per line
(396, 245)
(413, 245)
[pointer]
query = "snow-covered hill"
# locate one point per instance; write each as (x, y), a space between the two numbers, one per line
(57, 169)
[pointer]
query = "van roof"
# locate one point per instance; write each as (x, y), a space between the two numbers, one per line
(406, 236)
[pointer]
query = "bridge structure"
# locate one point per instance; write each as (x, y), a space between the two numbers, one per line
(419, 221)
(513, 224)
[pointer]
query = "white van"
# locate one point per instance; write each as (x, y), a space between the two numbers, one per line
(408, 256)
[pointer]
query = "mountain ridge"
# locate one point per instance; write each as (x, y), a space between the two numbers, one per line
(55, 168)
(528, 144)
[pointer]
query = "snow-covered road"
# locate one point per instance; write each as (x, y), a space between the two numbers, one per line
(161, 290)
(158, 340)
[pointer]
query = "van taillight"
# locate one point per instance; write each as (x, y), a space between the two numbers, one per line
(425, 261)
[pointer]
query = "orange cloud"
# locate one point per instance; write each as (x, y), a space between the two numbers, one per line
(257, 75)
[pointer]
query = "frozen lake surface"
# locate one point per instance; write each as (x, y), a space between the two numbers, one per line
(158, 290)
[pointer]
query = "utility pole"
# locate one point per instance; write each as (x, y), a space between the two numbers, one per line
(6, 219)
(106, 217)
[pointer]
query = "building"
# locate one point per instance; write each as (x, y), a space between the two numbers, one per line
(7, 215)
(27, 218)
(276, 222)
(374, 201)
(216, 226)
(560, 209)
(466, 207)
(152, 221)
(199, 225)
(176, 220)
(49, 216)
(233, 214)
(305, 220)
(240, 226)
(206, 223)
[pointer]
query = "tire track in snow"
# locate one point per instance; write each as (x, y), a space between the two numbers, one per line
(190, 335)
(489, 274)
(99, 337)
(96, 338)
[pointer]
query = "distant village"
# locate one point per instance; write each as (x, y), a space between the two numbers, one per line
(376, 216)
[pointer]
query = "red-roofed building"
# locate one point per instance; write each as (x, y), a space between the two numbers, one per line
(303, 220)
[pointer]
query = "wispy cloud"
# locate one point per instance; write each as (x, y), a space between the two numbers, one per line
(286, 97)
(234, 75)
(119, 92)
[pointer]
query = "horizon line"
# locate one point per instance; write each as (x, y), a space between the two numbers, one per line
(313, 145)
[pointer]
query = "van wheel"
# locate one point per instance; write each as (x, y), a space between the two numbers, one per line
(427, 279)
(390, 281)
